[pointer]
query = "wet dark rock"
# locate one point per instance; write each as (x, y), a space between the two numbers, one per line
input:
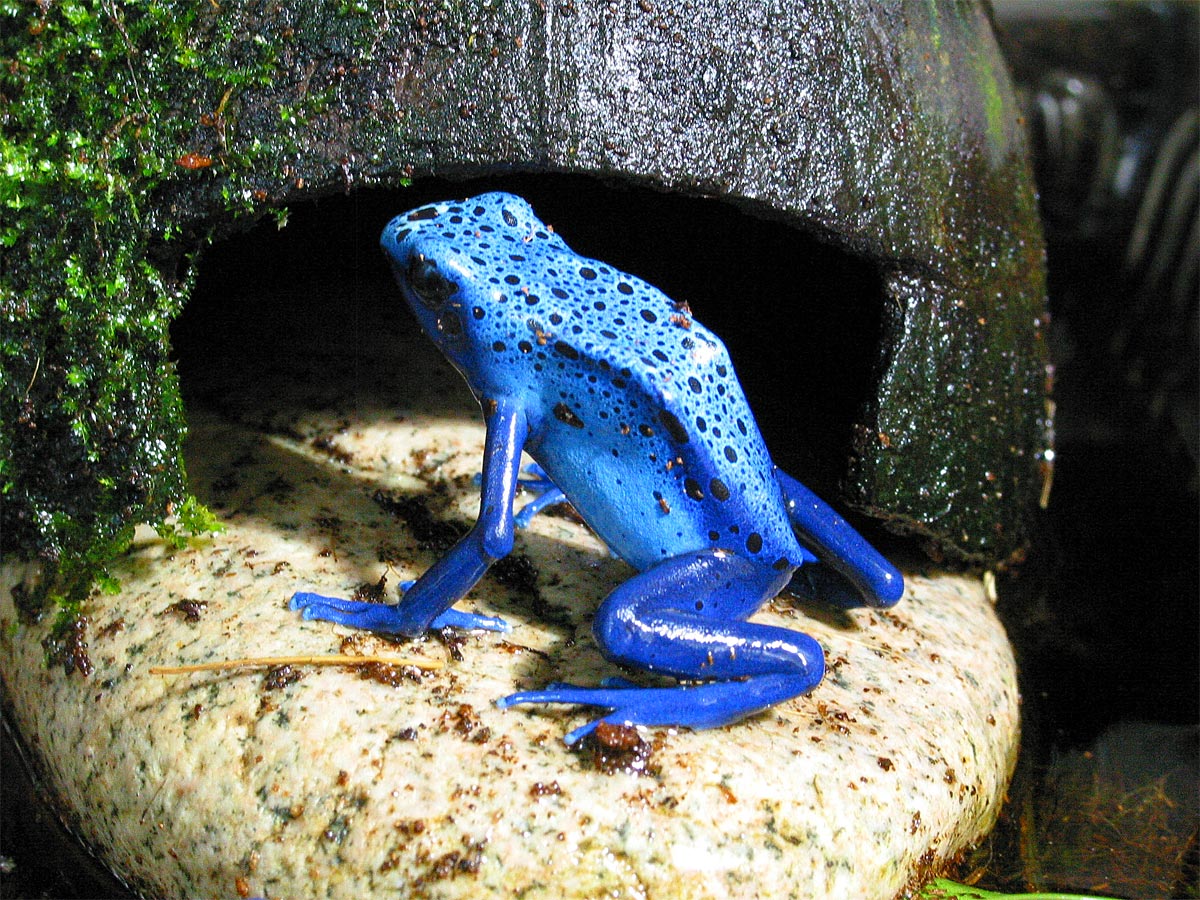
(891, 133)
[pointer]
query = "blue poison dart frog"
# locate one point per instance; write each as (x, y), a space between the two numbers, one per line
(632, 410)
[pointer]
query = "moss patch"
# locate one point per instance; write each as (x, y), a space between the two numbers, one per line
(90, 417)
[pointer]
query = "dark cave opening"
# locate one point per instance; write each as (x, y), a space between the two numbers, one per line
(802, 319)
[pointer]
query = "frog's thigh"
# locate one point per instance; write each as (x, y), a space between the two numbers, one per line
(686, 617)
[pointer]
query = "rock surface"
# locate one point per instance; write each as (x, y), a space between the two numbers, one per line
(889, 130)
(372, 780)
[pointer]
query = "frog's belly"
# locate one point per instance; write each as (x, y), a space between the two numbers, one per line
(638, 512)
(621, 507)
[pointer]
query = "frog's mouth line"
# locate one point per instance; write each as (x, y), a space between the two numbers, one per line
(805, 321)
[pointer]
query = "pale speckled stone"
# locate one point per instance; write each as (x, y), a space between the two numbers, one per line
(210, 785)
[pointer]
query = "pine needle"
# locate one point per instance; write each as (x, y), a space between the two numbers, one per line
(262, 662)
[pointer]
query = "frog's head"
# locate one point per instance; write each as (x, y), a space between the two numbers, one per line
(440, 256)
(421, 248)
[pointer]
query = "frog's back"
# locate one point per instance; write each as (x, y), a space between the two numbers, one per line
(641, 420)
(634, 408)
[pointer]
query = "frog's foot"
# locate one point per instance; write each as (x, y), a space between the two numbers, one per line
(354, 613)
(387, 618)
(693, 706)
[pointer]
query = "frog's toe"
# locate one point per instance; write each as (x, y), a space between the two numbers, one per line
(616, 681)
(453, 618)
(302, 600)
(534, 470)
(555, 692)
(573, 737)
(352, 613)
(537, 481)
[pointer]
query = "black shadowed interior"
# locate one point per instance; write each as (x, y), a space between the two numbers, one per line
(801, 318)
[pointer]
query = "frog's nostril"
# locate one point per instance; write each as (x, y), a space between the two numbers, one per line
(450, 325)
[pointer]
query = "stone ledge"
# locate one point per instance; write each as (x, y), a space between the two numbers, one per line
(340, 785)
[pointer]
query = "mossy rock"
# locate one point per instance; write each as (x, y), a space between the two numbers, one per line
(131, 136)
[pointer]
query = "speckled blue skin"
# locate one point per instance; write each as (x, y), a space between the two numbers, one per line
(633, 412)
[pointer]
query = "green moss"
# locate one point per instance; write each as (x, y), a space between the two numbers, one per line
(91, 423)
(935, 30)
(944, 889)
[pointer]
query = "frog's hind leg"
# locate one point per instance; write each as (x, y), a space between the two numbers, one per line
(686, 617)
(875, 581)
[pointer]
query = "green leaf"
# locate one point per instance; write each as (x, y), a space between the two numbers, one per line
(944, 889)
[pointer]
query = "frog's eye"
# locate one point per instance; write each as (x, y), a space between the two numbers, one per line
(431, 287)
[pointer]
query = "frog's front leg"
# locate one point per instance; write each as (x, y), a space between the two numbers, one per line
(427, 604)
(875, 581)
(540, 484)
(686, 617)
